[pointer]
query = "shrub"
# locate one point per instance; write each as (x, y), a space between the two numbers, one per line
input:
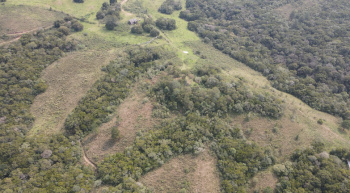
(78, 1)
(111, 22)
(137, 29)
(77, 26)
(154, 33)
(346, 124)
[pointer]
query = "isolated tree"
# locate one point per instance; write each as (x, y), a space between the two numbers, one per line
(115, 134)
(78, 1)
(76, 26)
(100, 15)
(154, 33)
(137, 29)
(111, 22)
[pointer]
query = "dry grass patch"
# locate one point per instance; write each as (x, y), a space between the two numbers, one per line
(134, 114)
(196, 174)
(19, 19)
(263, 180)
(68, 81)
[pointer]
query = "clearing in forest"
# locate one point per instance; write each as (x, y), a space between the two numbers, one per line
(133, 114)
(195, 174)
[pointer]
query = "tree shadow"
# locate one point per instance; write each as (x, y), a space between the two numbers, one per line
(108, 144)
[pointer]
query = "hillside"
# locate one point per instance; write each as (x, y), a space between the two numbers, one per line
(190, 99)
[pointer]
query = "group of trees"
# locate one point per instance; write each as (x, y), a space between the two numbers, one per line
(212, 95)
(191, 132)
(314, 170)
(168, 6)
(305, 54)
(67, 24)
(165, 23)
(147, 26)
(38, 163)
(109, 13)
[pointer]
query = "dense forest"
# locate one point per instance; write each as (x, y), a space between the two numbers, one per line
(305, 53)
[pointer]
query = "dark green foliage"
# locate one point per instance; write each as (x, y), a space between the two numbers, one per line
(306, 55)
(112, 2)
(109, 91)
(78, 1)
(154, 33)
(76, 26)
(166, 24)
(137, 29)
(214, 96)
(115, 134)
(313, 172)
(2, 0)
(40, 163)
(111, 22)
(168, 6)
(346, 124)
(110, 14)
(238, 161)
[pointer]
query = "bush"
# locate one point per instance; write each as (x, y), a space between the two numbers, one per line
(77, 26)
(78, 1)
(154, 33)
(115, 134)
(346, 124)
(111, 22)
(166, 24)
(137, 29)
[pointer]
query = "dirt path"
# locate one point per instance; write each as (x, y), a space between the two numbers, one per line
(18, 35)
(123, 10)
(86, 159)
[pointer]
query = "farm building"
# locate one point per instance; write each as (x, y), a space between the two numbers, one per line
(133, 21)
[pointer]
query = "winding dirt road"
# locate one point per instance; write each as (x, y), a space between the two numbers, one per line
(86, 159)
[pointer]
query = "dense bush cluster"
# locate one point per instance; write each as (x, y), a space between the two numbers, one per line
(147, 26)
(110, 14)
(109, 91)
(306, 54)
(68, 23)
(192, 131)
(314, 170)
(41, 163)
(238, 160)
(169, 6)
(166, 24)
(211, 95)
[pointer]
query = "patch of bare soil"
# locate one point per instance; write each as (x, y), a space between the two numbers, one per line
(263, 180)
(195, 174)
(134, 114)
(68, 80)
